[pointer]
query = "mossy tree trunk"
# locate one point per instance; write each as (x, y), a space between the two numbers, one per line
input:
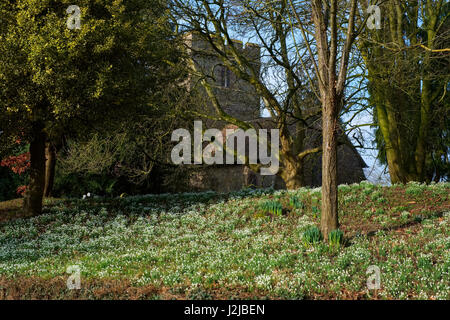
(408, 89)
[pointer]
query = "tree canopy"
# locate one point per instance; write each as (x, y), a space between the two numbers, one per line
(57, 79)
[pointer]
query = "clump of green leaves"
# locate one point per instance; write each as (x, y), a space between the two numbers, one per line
(296, 203)
(399, 209)
(315, 211)
(312, 235)
(273, 207)
(381, 200)
(335, 238)
(376, 195)
(415, 189)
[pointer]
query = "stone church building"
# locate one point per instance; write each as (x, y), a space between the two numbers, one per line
(239, 99)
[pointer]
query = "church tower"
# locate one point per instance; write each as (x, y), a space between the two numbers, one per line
(237, 97)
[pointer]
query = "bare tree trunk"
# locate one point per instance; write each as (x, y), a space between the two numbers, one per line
(35, 190)
(50, 164)
(332, 87)
(329, 217)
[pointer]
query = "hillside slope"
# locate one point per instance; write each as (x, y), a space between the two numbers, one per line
(208, 245)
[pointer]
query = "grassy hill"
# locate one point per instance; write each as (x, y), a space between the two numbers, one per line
(222, 246)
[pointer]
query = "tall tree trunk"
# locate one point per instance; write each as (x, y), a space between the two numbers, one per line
(329, 216)
(35, 190)
(50, 164)
(388, 127)
(425, 108)
(405, 124)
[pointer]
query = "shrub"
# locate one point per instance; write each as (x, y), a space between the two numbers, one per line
(13, 173)
(9, 182)
(76, 185)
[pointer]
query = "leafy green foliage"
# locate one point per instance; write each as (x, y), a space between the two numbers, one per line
(335, 238)
(65, 77)
(75, 186)
(296, 202)
(312, 235)
(315, 211)
(415, 189)
(272, 207)
(60, 84)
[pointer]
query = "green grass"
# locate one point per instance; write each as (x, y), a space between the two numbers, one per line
(210, 245)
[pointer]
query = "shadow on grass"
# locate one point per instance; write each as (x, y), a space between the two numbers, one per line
(417, 220)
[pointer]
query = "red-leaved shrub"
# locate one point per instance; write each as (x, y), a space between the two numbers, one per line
(18, 164)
